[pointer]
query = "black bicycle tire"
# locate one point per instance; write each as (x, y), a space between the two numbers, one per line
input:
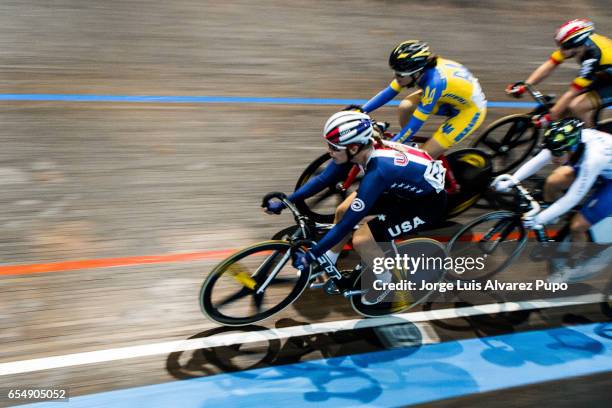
(502, 122)
(210, 311)
(356, 300)
(501, 216)
(304, 177)
(455, 209)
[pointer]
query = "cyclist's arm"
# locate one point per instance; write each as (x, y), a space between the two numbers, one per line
(383, 97)
(580, 187)
(423, 110)
(332, 174)
(372, 186)
(545, 69)
(532, 166)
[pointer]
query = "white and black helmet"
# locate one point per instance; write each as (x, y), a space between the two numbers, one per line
(348, 127)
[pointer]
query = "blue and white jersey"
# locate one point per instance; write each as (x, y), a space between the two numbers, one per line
(406, 174)
(595, 162)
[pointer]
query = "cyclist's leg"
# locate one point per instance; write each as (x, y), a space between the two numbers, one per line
(454, 130)
(407, 106)
(365, 244)
(558, 181)
(396, 218)
(340, 211)
(583, 106)
(579, 227)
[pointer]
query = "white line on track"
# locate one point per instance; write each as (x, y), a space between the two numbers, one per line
(121, 353)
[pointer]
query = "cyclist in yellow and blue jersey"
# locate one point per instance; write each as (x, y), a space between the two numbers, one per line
(593, 85)
(447, 88)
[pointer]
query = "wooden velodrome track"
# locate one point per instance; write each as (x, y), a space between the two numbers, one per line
(100, 199)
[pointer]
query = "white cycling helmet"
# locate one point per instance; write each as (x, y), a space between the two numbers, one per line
(348, 127)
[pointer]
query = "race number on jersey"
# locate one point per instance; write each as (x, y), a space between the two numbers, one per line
(434, 175)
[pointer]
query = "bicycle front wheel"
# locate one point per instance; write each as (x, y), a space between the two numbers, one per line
(496, 238)
(252, 285)
(509, 141)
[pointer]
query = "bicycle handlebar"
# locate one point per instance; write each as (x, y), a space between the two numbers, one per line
(539, 97)
(535, 206)
(540, 232)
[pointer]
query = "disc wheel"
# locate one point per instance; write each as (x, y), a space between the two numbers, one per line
(472, 169)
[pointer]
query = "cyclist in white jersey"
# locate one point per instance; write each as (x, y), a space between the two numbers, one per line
(584, 157)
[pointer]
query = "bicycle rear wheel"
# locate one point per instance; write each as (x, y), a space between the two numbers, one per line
(230, 295)
(472, 168)
(401, 301)
(499, 237)
(509, 141)
(322, 206)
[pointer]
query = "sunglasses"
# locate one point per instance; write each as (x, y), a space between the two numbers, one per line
(558, 153)
(567, 46)
(402, 74)
(334, 147)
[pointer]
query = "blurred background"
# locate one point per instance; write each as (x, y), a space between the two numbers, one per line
(88, 180)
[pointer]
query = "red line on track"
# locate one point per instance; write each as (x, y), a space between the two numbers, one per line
(28, 269)
(110, 262)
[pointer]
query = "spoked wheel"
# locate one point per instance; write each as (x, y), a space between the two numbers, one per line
(509, 141)
(402, 300)
(472, 169)
(498, 237)
(322, 206)
(231, 294)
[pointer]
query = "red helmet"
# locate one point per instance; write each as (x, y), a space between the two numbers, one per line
(574, 33)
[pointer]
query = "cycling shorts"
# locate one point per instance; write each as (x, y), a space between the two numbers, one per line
(459, 125)
(599, 204)
(601, 95)
(399, 217)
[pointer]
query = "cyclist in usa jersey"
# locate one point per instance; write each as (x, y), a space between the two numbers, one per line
(593, 85)
(447, 88)
(401, 192)
(584, 157)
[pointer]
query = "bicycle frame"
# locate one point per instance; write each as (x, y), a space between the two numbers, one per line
(302, 238)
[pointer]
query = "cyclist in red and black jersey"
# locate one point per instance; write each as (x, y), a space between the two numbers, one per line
(593, 85)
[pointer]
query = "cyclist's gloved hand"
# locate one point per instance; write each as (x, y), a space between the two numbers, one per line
(354, 107)
(502, 186)
(516, 90)
(301, 260)
(274, 207)
(531, 222)
(541, 121)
